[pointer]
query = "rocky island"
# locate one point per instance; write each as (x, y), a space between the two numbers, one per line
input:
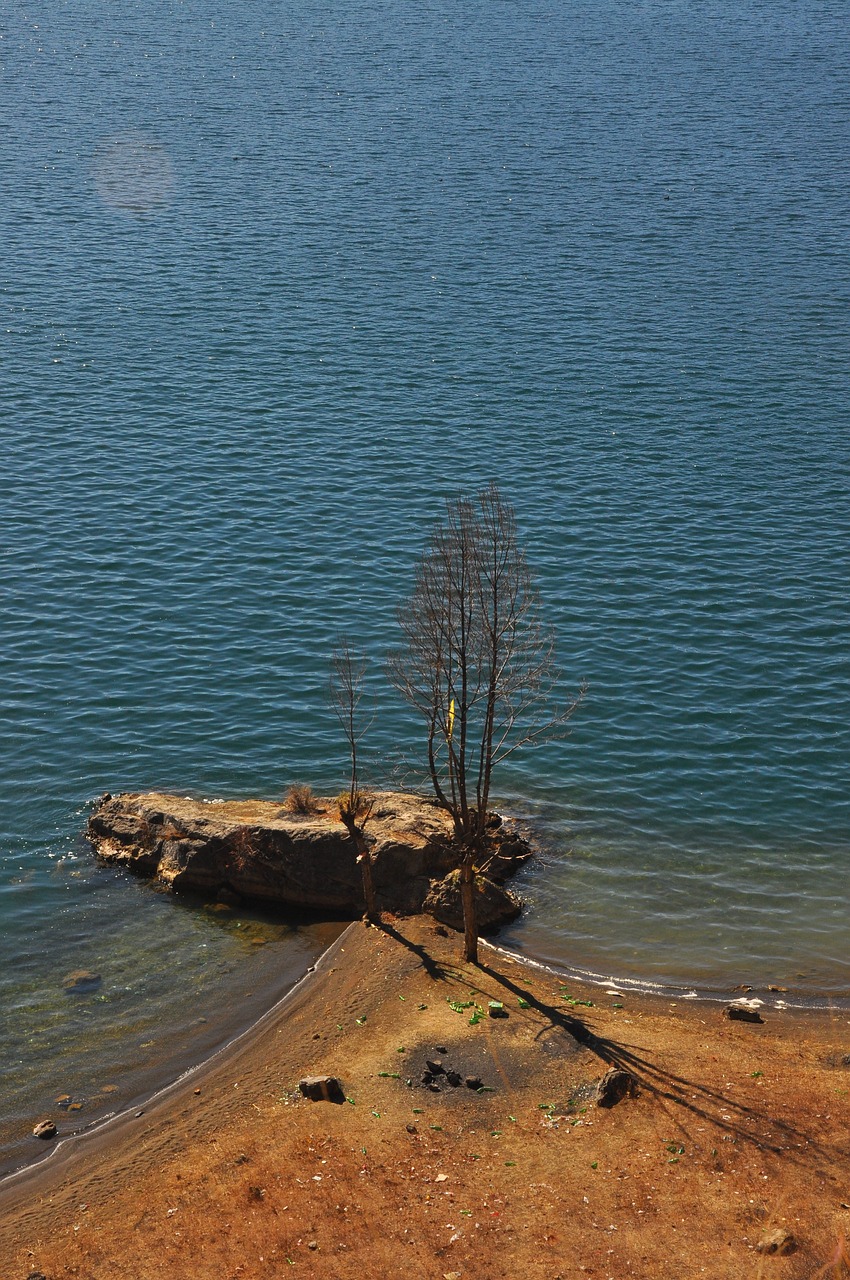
(261, 851)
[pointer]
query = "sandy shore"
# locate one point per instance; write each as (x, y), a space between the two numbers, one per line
(738, 1137)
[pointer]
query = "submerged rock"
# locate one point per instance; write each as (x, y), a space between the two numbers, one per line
(81, 982)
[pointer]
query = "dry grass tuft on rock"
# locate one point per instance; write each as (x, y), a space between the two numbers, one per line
(355, 809)
(300, 799)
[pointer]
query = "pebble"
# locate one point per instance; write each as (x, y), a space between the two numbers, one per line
(44, 1129)
(741, 1013)
(778, 1243)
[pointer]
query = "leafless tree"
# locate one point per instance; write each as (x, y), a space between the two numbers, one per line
(355, 807)
(478, 665)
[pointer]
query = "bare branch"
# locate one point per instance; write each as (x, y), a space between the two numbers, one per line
(348, 671)
(477, 662)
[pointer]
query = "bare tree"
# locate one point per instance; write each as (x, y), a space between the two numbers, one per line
(355, 808)
(478, 665)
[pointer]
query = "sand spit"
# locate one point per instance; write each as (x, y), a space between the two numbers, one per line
(474, 1139)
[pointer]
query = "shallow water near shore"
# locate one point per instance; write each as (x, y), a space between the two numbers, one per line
(279, 283)
(123, 989)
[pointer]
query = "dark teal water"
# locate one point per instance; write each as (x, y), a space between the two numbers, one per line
(276, 282)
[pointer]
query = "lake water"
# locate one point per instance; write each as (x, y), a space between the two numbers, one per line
(277, 281)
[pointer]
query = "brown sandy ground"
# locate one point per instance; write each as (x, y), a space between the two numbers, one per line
(738, 1130)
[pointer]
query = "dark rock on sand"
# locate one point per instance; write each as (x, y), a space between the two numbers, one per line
(44, 1129)
(615, 1085)
(743, 1013)
(322, 1088)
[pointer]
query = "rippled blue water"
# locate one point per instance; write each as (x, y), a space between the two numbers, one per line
(277, 280)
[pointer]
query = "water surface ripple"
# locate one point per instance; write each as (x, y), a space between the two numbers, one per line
(277, 281)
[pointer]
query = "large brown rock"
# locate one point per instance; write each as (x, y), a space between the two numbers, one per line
(261, 851)
(494, 906)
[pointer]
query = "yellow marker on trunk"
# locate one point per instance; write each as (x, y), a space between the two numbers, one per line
(451, 720)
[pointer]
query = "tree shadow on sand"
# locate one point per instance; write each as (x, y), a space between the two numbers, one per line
(751, 1125)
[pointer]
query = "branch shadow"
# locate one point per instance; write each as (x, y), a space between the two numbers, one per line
(434, 968)
(701, 1103)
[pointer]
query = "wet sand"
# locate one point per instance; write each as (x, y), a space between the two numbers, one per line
(736, 1142)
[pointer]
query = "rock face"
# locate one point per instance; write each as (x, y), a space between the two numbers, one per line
(258, 850)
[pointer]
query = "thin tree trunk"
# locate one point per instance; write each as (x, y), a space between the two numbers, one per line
(364, 857)
(467, 897)
(432, 767)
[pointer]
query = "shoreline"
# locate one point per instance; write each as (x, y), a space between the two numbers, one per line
(635, 987)
(110, 1126)
(650, 990)
(651, 987)
(107, 1068)
(754, 1107)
